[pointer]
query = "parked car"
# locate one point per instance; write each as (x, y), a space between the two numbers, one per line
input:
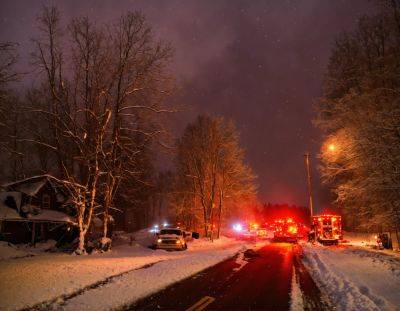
(171, 238)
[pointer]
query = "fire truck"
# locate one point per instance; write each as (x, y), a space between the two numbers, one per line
(327, 228)
(285, 230)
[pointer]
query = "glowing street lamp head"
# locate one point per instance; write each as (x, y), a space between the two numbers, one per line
(331, 147)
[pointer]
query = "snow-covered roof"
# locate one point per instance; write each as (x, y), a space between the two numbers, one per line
(32, 188)
(32, 185)
(51, 215)
(7, 213)
(32, 178)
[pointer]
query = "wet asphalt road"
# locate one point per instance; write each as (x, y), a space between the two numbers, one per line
(263, 283)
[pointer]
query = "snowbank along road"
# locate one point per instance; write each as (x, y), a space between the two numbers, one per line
(355, 278)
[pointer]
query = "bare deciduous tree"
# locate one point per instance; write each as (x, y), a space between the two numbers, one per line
(211, 170)
(104, 112)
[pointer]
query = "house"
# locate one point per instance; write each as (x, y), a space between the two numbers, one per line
(35, 209)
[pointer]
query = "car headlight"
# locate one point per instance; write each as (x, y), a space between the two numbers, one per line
(178, 242)
(159, 241)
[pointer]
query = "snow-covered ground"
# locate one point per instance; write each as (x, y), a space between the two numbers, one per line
(355, 278)
(103, 281)
(359, 239)
(10, 251)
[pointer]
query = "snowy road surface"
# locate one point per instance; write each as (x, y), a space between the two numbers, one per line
(27, 282)
(261, 278)
(355, 278)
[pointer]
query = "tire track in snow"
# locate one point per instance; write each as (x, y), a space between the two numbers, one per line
(63, 299)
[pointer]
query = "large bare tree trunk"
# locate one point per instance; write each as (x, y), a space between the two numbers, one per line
(110, 186)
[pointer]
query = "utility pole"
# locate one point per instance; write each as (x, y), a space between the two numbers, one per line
(310, 196)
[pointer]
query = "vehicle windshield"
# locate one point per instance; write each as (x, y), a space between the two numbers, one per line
(171, 231)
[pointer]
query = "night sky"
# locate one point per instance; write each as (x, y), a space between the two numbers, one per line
(260, 63)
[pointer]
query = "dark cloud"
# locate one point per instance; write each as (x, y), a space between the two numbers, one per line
(260, 63)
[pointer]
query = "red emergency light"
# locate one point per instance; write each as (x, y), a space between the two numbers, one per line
(322, 217)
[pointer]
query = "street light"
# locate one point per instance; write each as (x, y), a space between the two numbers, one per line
(331, 147)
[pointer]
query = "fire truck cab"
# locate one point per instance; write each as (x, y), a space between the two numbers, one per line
(327, 228)
(285, 230)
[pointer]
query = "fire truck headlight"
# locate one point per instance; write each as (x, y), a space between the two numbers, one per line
(159, 241)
